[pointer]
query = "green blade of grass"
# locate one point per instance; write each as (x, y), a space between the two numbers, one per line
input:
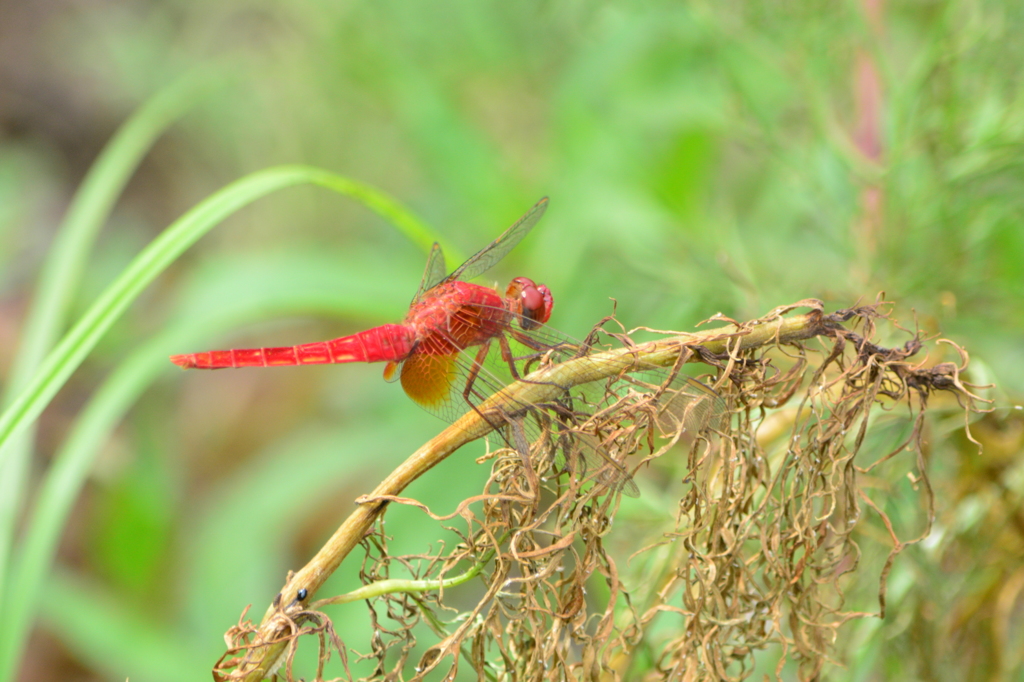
(63, 268)
(87, 212)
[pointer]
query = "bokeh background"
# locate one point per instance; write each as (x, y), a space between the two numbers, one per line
(700, 158)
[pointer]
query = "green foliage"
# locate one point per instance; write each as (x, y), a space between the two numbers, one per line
(699, 158)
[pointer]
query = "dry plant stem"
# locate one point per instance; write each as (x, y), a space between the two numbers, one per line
(542, 386)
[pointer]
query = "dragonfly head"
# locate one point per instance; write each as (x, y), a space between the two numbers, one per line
(533, 302)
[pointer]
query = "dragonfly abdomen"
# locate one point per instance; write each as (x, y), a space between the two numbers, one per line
(391, 342)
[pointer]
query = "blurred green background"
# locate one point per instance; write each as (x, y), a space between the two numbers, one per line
(700, 158)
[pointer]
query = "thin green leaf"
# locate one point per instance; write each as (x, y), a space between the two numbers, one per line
(60, 278)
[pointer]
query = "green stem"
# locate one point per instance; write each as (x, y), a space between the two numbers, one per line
(392, 586)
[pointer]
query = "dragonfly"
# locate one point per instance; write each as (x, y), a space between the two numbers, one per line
(461, 343)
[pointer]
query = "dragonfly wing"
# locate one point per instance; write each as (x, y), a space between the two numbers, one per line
(679, 402)
(689, 405)
(585, 453)
(450, 385)
(430, 380)
(433, 273)
(485, 258)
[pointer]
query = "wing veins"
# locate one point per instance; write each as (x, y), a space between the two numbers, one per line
(485, 258)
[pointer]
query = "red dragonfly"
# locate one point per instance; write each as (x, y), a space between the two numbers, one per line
(442, 350)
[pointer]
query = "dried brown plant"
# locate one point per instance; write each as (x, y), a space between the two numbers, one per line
(747, 546)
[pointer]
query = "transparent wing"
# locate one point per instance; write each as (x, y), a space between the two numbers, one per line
(433, 273)
(448, 384)
(485, 258)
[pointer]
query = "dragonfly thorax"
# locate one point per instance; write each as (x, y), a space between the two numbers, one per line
(456, 315)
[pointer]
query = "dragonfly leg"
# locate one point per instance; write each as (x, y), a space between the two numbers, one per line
(542, 347)
(468, 393)
(474, 371)
(506, 355)
(518, 437)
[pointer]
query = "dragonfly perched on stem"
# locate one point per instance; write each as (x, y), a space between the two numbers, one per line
(461, 343)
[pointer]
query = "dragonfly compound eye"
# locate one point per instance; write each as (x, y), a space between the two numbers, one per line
(537, 302)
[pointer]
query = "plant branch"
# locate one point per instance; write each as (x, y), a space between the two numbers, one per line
(539, 387)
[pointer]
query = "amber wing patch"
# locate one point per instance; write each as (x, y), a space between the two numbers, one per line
(428, 378)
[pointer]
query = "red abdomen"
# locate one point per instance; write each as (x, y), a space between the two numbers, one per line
(388, 342)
